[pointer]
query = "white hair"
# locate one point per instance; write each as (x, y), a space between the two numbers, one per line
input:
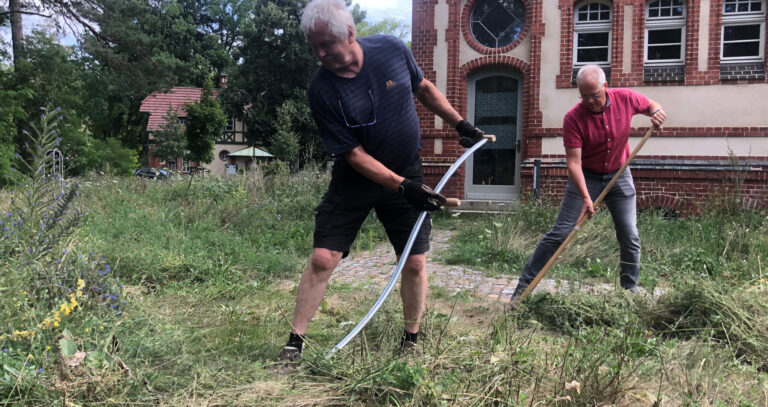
(591, 72)
(334, 13)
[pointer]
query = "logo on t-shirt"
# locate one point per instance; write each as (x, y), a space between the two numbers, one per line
(390, 84)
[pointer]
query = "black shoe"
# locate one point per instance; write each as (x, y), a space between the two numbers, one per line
(519, 290)
(287, 361)
(409, 348)
(514, 301)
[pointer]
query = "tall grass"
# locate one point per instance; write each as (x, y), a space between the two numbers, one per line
(248, 226)
(210, 278)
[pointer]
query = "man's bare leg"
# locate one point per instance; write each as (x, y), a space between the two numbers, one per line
(413, 290)
(312, 287)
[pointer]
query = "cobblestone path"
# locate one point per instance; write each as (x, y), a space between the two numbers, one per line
(375, 267)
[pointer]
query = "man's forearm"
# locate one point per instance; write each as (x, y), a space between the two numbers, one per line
(372, 168)
(437, 103)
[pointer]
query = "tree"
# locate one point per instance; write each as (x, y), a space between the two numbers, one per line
(10, 114)
(71, 12)
(170, 140)
(388, 25)
(205, 123)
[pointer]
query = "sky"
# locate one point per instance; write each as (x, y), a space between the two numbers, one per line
(380, 9)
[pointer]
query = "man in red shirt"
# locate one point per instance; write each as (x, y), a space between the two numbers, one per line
(596, 140)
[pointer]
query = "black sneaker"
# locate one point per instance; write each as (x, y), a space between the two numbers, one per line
(287, 361)
(514, 301)
(519, 290)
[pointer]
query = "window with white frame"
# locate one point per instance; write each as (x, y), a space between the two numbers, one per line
(230, 126)
(743, 35)
(184, 165)
(592, 34)
(665, 32)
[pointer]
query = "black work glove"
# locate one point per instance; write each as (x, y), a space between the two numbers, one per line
(469, 134)
(420, 195)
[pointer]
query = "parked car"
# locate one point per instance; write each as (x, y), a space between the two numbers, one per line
(153, 173)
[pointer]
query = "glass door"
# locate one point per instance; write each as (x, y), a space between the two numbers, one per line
(494, 105)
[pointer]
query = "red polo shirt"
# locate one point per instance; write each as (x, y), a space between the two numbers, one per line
(604, 137)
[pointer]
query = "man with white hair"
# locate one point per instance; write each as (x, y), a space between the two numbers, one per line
(596, 140)
(362, 102)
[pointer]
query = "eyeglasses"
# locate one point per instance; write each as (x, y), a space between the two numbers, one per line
(373, 108)
(594, 95)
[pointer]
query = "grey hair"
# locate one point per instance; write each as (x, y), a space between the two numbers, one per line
(590, 71)
(332, 12)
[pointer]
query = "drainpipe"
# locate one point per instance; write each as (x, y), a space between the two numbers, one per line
(536, 179)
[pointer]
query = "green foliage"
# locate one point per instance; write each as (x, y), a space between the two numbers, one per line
(389, 26)
(205, 123)
(170, 141)
(285, 142)
(115, 158)
(277, 65)
(10, 114)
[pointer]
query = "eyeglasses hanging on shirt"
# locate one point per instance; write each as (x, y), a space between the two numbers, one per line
(371, 118)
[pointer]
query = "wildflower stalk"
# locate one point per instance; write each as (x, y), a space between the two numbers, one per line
(42, 213)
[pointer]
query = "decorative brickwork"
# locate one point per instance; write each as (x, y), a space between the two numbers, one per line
(664, 73)
(745, 71)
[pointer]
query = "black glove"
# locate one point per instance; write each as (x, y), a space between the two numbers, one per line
(469, 134)
(420, 195)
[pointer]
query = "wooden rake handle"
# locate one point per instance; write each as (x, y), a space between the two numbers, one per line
(583, 220)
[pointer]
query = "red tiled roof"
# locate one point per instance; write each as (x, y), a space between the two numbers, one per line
(157, 104)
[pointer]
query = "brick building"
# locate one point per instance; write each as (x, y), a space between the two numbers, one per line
(509, 66)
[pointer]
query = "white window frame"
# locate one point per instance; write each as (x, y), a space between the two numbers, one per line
(737, 18)
(665, 23)
(591, 27)
(184, 165)
(230, 125)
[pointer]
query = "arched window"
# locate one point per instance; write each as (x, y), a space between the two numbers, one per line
(592, 34)
(665, 32)
(743, 35)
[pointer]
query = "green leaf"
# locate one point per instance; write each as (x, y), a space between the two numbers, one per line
(67, 347)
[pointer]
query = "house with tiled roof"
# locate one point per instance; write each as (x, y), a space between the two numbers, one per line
(233, 150)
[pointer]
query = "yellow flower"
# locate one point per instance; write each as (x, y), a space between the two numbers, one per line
(48, 347)
(101, 327)
(56, 323)
(87, 330)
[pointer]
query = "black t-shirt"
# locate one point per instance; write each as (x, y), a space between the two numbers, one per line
(375, 109)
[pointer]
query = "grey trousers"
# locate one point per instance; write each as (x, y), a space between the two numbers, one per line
(620, 201)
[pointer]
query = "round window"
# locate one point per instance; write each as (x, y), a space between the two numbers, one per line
(223, 155)
(497, 23)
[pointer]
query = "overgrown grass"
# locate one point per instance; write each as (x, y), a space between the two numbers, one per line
(715, 246)
(251, 226)
(211, 274)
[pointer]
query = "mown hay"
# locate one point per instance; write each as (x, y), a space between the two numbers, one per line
(734, 316)
(737, 316)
